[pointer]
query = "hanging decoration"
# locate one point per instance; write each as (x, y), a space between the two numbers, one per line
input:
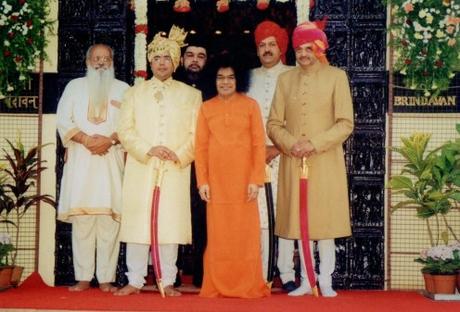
(262, 4)
(303, 10)
(222, 6)
(182, 6)
(425, 39)
(23, 24)
(140, 40)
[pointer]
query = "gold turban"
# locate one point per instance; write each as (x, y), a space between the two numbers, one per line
(170, 44)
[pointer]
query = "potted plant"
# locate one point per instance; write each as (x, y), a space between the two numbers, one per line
(440, 268)
(17, 179)
(5, 270)
(430, 182)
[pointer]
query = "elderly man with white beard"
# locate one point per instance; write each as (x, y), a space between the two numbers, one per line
(90, 198)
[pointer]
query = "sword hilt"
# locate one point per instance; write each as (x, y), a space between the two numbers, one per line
(268, 174)
(304, 168)
(161, 170)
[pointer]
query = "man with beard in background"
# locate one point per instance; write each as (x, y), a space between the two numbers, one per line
(90, 198)
(193, 72)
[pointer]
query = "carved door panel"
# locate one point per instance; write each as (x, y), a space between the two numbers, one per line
(356, 32)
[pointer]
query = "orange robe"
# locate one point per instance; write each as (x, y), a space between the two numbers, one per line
(230, 155)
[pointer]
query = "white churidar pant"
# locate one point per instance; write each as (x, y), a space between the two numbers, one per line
(326, 248)
(285, 261)
(137, 257)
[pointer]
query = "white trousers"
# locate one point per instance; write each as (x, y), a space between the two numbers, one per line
(285, 261)
(326, 248)
(95, 244)
(137, 257)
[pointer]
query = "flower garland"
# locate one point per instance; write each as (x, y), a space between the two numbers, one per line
(425, 38)
(140, 41)
(302, 10)
(22, 27)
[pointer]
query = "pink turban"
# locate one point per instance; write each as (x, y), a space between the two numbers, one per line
(310, 32)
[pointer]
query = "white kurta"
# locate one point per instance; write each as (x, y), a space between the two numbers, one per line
(262, 87)
(91, 184)
(158, 113)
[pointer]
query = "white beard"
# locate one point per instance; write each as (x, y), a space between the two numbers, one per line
(99, 84)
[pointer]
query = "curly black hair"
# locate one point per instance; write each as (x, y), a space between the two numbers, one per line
(226, 59)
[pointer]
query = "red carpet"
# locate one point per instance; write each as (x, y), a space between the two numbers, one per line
(34, 294)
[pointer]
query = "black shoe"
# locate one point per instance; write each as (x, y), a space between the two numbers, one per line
(178, 281)
(197, 282)
(289, 286)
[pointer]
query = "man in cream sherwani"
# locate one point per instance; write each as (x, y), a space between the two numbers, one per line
(157, 122)
(271, 41)
(90, 198)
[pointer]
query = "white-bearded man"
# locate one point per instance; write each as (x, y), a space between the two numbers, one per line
(90, 198)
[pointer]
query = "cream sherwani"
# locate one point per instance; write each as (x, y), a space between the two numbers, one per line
(90, 195)
(147, 120)
(262, 87)
(156, 113)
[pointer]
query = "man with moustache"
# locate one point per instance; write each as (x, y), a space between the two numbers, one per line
(193, 72)
(271, 42)
(90, 197)
(157, 124)
(311, 116)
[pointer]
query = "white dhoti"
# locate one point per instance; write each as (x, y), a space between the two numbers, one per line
(89, 232)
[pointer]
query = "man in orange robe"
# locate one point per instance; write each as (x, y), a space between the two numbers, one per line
(230, 161)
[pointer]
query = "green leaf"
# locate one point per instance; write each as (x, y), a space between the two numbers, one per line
(425, 212)
(435, 196)
(455, 196)
(403, 204)
(401, 182)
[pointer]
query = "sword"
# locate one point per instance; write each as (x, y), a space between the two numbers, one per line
(271, 224)
(304, 234)
(154, 249)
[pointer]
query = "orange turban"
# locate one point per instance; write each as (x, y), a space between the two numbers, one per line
(267, 29)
